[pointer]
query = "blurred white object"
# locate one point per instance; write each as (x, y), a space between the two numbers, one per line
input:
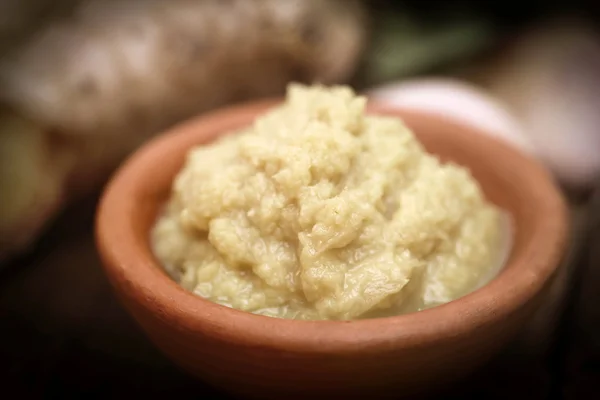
(551, 80)
(458, 100)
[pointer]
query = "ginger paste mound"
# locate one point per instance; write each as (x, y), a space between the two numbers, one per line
(319, 211)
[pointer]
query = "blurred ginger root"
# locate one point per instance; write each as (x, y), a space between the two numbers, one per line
(85, 91)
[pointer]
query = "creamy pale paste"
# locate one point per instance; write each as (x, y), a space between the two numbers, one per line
(319, 211)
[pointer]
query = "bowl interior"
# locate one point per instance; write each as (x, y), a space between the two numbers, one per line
(509, 179)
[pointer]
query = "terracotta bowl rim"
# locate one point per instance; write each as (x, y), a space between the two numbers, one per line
(123, 260)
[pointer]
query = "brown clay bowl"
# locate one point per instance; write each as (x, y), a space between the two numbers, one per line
(265, 357)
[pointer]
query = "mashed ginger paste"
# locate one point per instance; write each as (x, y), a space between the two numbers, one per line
(319, 211)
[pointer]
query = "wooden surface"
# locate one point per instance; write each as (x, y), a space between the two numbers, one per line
(64, 335)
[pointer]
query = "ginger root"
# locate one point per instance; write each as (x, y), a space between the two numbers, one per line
(89, 89)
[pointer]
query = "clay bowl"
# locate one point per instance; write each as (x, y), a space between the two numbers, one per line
(266, 357)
